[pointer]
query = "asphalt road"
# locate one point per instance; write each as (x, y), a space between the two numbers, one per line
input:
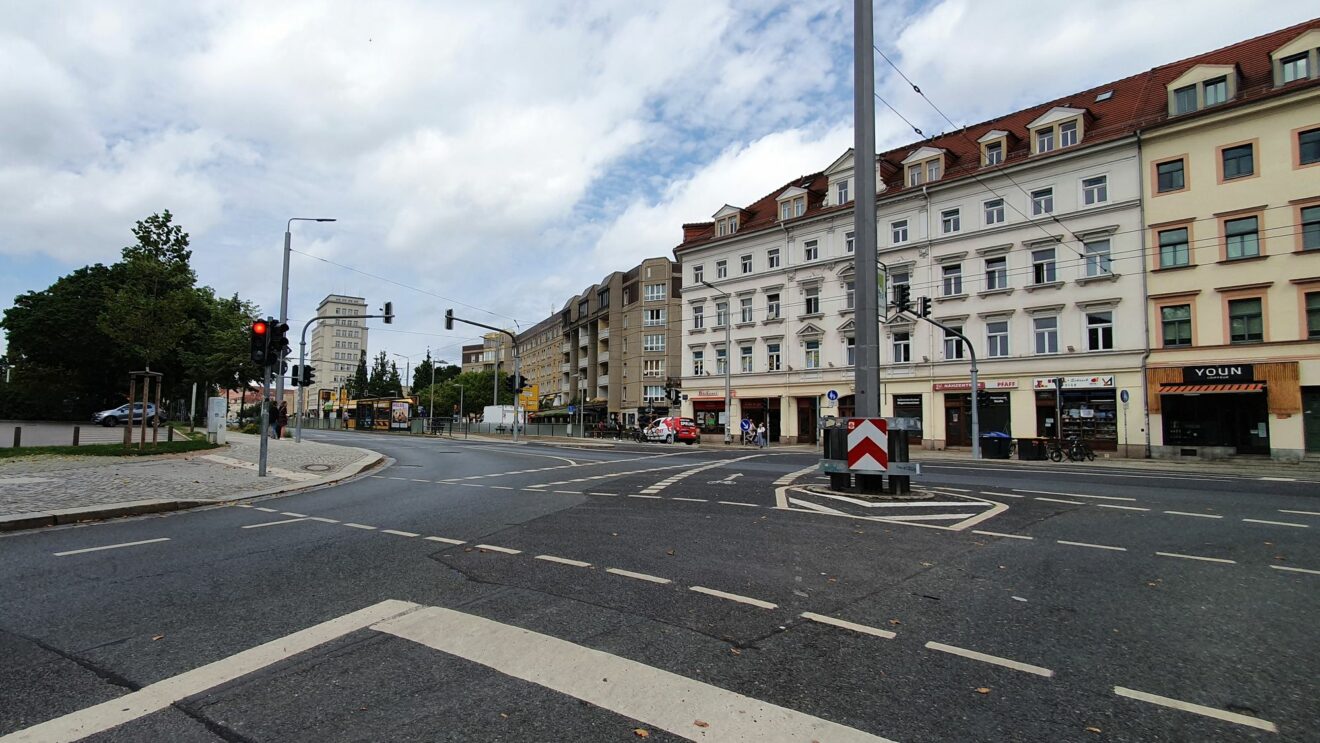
(492, 592)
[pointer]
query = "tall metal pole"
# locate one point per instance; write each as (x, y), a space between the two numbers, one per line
(265, 421)
(867, 368)
(284, 287)
(728, 360)
(976, 407)
(495, 378)
(516, 371)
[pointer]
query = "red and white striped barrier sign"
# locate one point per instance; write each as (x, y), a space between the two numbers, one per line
(868, 445)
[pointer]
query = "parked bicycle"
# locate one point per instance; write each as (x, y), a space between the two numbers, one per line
(1074, 449)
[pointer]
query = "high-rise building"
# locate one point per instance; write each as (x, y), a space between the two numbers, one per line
(336, 345)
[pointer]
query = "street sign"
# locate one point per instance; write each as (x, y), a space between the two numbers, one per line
(904, 469)
(746, 425)
(1124, 396)
(572, 408)
(530, 398)
(832, 395)
(868, 444)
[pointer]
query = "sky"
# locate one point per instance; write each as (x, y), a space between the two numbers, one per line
(494, 157)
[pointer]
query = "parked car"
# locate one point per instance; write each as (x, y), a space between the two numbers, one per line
(673, 428)
(687, 431)
(115, 416)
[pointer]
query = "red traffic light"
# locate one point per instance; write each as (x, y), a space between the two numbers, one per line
(259, 327)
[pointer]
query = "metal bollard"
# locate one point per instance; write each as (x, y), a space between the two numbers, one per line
(169, 433)
(898, 452)
(18, 436)
(77, 431)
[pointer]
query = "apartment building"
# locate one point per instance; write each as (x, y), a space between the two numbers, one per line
(472, 357)
(540, 356)
(1231, 179)
(336, 345)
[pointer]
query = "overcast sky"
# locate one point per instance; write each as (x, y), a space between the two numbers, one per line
(493, 155)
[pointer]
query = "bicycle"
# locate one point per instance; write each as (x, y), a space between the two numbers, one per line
(1074, 449)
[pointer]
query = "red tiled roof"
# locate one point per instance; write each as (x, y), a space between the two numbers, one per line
(1137, 102)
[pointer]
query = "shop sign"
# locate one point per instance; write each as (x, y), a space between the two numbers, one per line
(998, 384)
(716, 393)
(1218, 373)
(1100, 381)
(910, 401)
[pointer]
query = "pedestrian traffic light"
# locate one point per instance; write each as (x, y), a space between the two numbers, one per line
(308, 375)
(295, 376)
(389, 313)
(923, 307)
(260, 340)
(903, 297)
(449, 319)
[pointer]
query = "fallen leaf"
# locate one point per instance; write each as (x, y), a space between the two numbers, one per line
(735, 651)
(505, 715)
(1092, 729)
(669, 552)
(927, 564)
(831, 580)
(894, 621)
(615, 534)
(701, 723)
(641, 732)
(157, 637)
(982, 690)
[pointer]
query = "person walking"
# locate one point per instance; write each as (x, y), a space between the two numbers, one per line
(282, 420)
(761, 435)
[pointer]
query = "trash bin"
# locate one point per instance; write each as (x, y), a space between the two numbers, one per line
(995, 446)
(1032, 450)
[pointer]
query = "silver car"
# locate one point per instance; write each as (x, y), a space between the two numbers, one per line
(115, 416)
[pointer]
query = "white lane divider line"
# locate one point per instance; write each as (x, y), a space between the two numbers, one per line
(643, 495)
(1278, 479)
(352, 525)
(296, 515)
(1001, 534)
(413, 479)
(956, 490)
(243, 505)
(267, 510)
(1057, 500)
(1197, 557)
(734, 597)
(994, 659)
(323, 519)
(594, 493)
(563, 561)
(790, 477)
(1093, 546)
(926, 517)
(638, 576)
(1072, 495)
(1295, 570)
(1001, 495)
(657, 699)
(1300, 513)
(500, 487)
(1121, 508)
(690, 500)
(1277, 523)
(110, 547)
(399, 533)
(845, 624)
(497, 548)
(738, 503)
(567, 492)
(1197, 515)
(273, 523)
(1197, 709)
(445, 540)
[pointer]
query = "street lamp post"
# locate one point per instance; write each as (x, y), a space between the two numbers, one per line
(728, 366)
(407, 366)
(284, 291)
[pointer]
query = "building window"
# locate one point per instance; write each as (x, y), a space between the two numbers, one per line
(603, 298)
(698, 316)
(1294, 67)
(841, 192)
(1215, 92)
(813, 354)
(1241, 238)
(746, 261)
(772, 258)
(1095, 190)
(772, 306)
(1184, 100)
(950, 221)
(902, 348)
(1098, 262)
(1239, 161)
(721, 269)
(952, 276)
(745, 359)
(1176, 325)
(721, 360)
(996, 338)
(850, 351)
(1246, 322)
(900, 278)
(898, 232)
(698, 274)
(799, 206)
(653, 317)
(1043, 266)
(1045, 140)
(914, 175)
(810, 250)
(812, 305)
(1068, 134)
(745, 310)
(953, 347)
(653, 367)
(1311, 228)
(1042, 201)
(1169, 176)
(1047, 334)
(1308, 147)
(1173, 248)
(653, 342)
(655, 292)
(996, 273)
(1100, 331)
(721, 314)
(772, 357)
(994, 153)
(849, 242)
(850, 295)
(1313, 315)
(653, 392)
(994, 211)
(933, 170)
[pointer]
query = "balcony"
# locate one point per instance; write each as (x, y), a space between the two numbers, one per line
(603, 380)
(603, 357)
(603, 334)
(582, 361)
(565, 367)
(566, 348)
(563, 386)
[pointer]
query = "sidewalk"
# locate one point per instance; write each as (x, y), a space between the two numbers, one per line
(45, 490)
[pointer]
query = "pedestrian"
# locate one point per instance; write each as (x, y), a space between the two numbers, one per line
(282, 420)
(761, 435)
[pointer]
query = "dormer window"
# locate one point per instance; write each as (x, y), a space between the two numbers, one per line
(1045, 140)
(792, 203)
(1294, 67)
(1215, 91)
(1068, 134)
(726, 220)
(1298, 59)
(924, 165)
(994, 153)
(1059, 127)
(841, 192)
(1200, 87)
(1184, 100)
(994, 147)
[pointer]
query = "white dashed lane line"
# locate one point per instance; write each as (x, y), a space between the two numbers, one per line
(1197, 557)
(1058, 500)
(274, 523)
(993, 659)
(1277, 523)
(1300, 513)
(638, 576)
(1092, 546)
(359, 526)
(1295, 570)
(844, 624)
(733, 597)
(396, 532)
(1000, 534)
(1071, 495)
(445, 540)
(110, 547)
(1197, 515)
(497, 548)
(1197, 709)
(563, 561)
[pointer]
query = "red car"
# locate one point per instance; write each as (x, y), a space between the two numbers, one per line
(687, 431)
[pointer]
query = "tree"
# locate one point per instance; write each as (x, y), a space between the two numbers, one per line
(360, 385)
(219, 358)
(422, 373)
(476, 393)
(393, 384)
(381, 382)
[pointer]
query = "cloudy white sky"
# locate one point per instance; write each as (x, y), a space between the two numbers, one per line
(494, 155)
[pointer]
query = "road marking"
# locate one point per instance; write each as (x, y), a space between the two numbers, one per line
(1198, 515)
(1277, 523)
(926, 517)
(398, 478)
(1296, 570)
(643, 495)
(351, 525)
(291, 513)
(1197, 709)
(638, 576)
(790, 477)
(160, 695)
(738, 503)
(397, 532)
(593, 493)
(689, 500)
(111, 547)
(267, 510)
(1125, 508)
(1056, 500)
(413, 479)
(843, 623)
(1096, 546)
(323, 519)
(1001, 534)
(816, 507)
(500, 487)
(996, 660)
(273, 523)
(1303, 513)
(1002, 495)
(470, 484)
(1070, 495)
(446, 540)
(1278, 479)
(567, 492)
(563, 561)
(657, 699)
(248, 505)
(497, 548)
(1197, 557)
(734, 597)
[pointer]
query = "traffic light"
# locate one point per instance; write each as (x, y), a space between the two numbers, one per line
(308, 375)
(295, 377)
(923, 307)
(260, 338)
(449, 319)
(903, 297)
(278, 346)
(389, 313)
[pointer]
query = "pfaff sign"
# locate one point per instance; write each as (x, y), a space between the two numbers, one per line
(1217, 373)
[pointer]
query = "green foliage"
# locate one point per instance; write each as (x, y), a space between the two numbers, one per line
(476, 393)
(384, 378)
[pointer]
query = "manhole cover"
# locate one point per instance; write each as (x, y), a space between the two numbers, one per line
(317, 467)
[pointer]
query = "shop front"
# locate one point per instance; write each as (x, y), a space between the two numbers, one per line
(1222, 409)
(709, 414)
(994, 409)
(808, 413)
(1086, 405)
(909, 406)
(763, 410)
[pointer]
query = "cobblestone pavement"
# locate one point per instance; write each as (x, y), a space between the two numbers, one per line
(40, 484)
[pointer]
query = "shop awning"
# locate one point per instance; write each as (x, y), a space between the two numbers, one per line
(1210, 389)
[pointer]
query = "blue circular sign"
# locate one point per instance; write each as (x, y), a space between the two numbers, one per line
(1123, 395)
(746, 425)
(572, 409)
(832, 394)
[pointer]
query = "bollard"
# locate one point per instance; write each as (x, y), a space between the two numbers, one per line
(77, 431)
(898, 452)
(169, 433)
(18, 436)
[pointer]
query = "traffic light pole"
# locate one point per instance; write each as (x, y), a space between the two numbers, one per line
(265, 421)
(971, 351)
(449, 325)
(302, 364)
